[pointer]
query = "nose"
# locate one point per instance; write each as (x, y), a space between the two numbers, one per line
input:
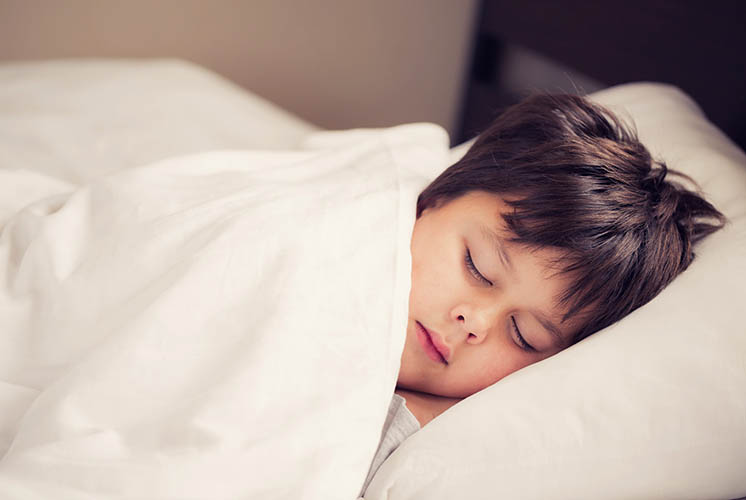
(476, 321)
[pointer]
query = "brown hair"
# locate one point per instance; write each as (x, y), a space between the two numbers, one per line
(579, 180)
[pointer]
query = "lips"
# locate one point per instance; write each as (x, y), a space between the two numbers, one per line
(433, 346)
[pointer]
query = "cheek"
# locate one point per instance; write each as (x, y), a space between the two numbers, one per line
(494, 373)
(499, 363)
(430, 283)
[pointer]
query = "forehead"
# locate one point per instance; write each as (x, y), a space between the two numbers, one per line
(481, 211)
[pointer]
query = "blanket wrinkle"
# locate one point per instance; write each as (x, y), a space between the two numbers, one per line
(222, 325)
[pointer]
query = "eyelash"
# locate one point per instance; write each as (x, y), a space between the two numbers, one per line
(524, 345)
(475, 272)
(473, 269)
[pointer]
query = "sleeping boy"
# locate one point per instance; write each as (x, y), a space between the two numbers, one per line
(555, 224)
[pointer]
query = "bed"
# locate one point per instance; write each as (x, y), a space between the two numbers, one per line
(123, 378)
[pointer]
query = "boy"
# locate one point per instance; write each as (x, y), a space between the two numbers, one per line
(555, 224)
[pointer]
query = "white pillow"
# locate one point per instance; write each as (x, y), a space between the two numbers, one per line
(78, 119)
(653, 406)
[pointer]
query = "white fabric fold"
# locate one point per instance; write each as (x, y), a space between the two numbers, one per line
(224, 325)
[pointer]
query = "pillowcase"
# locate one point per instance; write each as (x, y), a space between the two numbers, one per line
(651, 407)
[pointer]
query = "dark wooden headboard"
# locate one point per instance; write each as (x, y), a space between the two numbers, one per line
(699, 46)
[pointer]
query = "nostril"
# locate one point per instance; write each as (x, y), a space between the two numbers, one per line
(460, 318)
(471, 335)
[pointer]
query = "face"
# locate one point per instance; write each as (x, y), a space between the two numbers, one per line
(480, 307)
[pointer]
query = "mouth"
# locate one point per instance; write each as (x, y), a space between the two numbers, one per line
(432, 345)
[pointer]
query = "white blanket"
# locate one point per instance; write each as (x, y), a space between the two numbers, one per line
(225, 325)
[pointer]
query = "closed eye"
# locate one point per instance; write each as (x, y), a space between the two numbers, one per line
(521, 340)
(473, 269)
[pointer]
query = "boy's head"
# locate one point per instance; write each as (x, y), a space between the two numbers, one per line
(590, 225)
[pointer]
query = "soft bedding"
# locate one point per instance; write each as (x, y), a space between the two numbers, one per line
(650, 408)
(77, 119)
(222, 325)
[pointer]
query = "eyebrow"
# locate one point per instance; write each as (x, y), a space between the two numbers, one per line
(497, 244)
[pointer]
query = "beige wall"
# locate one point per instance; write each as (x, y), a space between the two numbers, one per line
(337, 63)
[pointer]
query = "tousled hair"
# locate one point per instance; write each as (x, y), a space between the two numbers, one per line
(578, 180)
